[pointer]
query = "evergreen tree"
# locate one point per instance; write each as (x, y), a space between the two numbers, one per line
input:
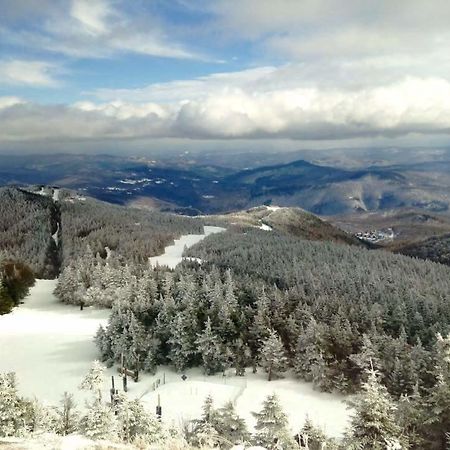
(312, 437)
(272, 357)
(94, 379)
(67, 416)
(211, 350)
(135, 423)
(373, 426)
(271, 427)
(13, 409)
(99, 421)
(438, 402)
(182, 342)
(204, 432)
(230, 427)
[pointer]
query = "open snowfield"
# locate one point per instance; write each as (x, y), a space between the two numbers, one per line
(182, 400)
(173, 253)
(48, 344)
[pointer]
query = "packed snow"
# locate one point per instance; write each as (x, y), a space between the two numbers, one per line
(173, 253)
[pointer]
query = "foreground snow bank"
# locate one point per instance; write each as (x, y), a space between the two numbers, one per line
(173, 254)
(48, 344)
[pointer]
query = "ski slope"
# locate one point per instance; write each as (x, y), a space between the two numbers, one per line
(173, 253)
(48, 344)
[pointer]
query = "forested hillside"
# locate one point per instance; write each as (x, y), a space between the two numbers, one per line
(292, 221)
(436, 249)
(134, 234)
(27, 222)
(45, 230)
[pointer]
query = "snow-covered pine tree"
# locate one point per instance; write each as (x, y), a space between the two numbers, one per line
(438, 402)
(211, 350)
(410, 416)
(241, 356)
(93, 380)
(67, 416)
(373, 425)
(309, 350)
(182, 342)
(99, 421)
(13, 409)
(272, 431)
(203, 432)
(312, 437)
(272, 357)
(135, 423)
(230, 426)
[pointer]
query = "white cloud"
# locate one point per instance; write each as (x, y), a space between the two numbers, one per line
(7, 102)
(413, 105)
(92, 15)
(31, 73)
(91, 29)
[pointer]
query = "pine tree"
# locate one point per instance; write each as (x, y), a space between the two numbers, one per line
(99, 421)
(230, 427)
(309, 350)
(271, 427)
(135, 423)
(13, 409)
(373, 426)
(438, 402)
(182, 342)
(210, 348)
(67, 416)
(93, 380)
(272, 357)
(312, 437)
(410, 416)
(204, 432)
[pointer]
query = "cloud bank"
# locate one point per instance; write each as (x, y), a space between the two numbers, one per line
(217, 111)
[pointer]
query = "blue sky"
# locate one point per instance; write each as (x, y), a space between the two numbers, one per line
(221, 72)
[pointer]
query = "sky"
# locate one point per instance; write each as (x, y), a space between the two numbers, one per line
(136, 75)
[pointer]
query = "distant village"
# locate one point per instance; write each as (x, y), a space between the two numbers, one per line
(376, 235)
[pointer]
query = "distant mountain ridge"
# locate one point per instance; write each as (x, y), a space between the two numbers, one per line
(189, 187)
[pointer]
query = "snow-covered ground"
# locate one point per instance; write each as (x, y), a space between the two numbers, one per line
(182, 400)
(173, 253)
(48, 344)
(265, 227)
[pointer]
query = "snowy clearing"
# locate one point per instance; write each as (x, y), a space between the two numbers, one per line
(173, 253)
(183, 400)
(48, 344)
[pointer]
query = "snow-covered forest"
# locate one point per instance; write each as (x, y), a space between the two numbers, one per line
(366, 324)
(46, 231)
